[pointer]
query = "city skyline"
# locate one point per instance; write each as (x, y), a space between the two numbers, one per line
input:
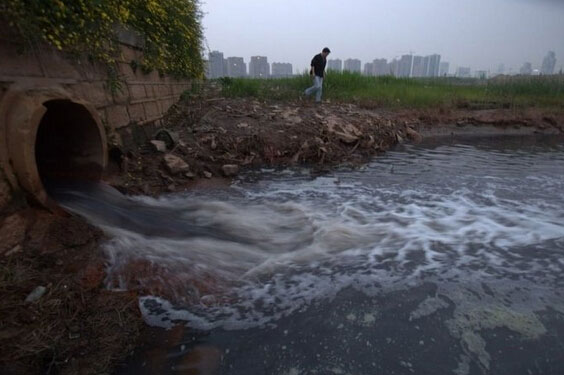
(233, 66)
(466, 33)
(406, 66)
(549, 64)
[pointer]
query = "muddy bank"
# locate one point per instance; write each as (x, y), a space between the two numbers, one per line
(217, 137)
(72, 324)
(55, 314)
(211, 139)
(438, 122)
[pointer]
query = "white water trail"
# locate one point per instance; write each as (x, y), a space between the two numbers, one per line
(262, 253)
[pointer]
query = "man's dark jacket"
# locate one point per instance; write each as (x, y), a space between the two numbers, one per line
(318, 65)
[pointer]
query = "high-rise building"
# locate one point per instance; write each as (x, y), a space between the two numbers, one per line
(215, 65)
(380, 67)
(481, 74)
(281, 70)
(548, 63)
(526, 69)
(259, 67)
(393, 67)
(426, 60)
(368, 69)
(404, 69)
(463, 72)
(352, 65)
(443, 69)
(501, 69)
(417, 70)
(434, 64)
(335, 65)
(236, 67)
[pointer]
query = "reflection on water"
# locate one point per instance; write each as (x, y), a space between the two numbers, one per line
(438, 258)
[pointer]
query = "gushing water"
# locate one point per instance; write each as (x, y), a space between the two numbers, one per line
(482, 222)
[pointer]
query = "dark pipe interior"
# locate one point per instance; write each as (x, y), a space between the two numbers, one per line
(68, 144)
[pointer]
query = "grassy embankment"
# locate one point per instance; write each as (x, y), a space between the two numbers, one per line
(500, 92)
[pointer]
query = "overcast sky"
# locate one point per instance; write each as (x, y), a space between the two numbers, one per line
(480, 34)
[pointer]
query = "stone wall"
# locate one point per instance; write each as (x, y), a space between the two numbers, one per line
(141, 99)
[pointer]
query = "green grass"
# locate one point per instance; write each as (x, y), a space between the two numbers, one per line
(508, 92)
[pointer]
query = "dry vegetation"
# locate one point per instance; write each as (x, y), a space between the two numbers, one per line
(76, 326)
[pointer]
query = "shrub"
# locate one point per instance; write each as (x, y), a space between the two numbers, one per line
(171, 29)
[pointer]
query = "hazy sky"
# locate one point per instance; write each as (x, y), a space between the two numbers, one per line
(476, 33)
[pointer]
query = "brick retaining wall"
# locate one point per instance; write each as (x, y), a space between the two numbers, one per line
(143, 98)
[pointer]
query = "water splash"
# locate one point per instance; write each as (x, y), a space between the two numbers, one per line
(260, 251)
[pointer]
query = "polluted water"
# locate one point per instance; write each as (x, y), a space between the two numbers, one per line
(440, 258)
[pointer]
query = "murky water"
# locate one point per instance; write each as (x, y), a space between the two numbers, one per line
(441, 258)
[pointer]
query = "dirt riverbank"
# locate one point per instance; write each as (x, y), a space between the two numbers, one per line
(71, 324)
(56, 317)
(215, 138)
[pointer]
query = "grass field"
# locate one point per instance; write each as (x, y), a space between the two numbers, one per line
(500, 92)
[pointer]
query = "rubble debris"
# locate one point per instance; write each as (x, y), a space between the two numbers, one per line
(35, 294)
(175, 165)
(159, 146)
(230, 170)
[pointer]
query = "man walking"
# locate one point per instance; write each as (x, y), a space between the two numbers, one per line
(317, 71)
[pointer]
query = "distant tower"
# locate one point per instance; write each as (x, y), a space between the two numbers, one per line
(481, 74)
(368, 69)
(380, 67)
(216, 65)
(425, 70)
(259, 67)
(434, 64)
(405, 64)
(417, 70)
(352, 65)
(393, 67)
(236, 67)
(335, 65)
(526, 69)
(280, 70)
(463, 72)
(443, 69)
(548, 63)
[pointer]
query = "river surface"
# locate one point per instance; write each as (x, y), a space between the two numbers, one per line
(440, 258)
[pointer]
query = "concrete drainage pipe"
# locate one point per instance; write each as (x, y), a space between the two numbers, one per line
(48, 136)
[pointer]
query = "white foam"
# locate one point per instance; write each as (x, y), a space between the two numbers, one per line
(296, 241)
(348, 234)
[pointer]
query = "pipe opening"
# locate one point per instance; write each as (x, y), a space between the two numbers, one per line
(68, 145)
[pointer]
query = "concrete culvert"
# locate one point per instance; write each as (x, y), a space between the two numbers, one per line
(68, 144)
(50, 138)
